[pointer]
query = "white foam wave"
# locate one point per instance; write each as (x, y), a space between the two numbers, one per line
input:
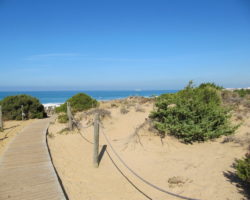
(46, 105)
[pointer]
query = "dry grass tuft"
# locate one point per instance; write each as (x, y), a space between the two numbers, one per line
(102, 112)
(124, 110)
(64, 131)
(244, 140)
(51, 135)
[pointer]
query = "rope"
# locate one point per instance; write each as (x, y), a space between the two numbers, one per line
(123, 162)
(113, 162)
(78, 123)
(79, 131)
(138, 176)
(84, 137)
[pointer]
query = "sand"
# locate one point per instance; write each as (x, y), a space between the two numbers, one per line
(11, 129)
(197, 171)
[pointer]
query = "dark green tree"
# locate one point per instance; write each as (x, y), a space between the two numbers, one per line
(12, 105)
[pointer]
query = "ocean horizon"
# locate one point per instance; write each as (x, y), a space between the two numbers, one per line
(59, 97)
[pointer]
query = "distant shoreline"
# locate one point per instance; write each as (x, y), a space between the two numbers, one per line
(54, 105)
(59, 97)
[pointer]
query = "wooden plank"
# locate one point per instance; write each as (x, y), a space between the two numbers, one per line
(26, 170)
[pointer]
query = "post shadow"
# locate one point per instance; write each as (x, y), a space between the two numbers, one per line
(11, 127)
(5, 137)
(104, 147)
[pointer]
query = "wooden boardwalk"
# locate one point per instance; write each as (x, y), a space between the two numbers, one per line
(26, 170)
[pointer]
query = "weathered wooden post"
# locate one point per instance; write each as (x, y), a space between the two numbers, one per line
(1, 119)
(23, 115)
(69, 116)
(96, 142)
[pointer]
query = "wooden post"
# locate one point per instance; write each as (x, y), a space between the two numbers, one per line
(96, 142)
(1, 119)
(22, 113)
(69, 116)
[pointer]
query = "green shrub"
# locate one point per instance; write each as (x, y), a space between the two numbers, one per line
(78, 102)
(212, 85)
(63, 118)
(193, 114)
(243, 92)
(243, 168)
(32, 108)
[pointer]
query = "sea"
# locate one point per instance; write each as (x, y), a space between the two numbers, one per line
(50, 98)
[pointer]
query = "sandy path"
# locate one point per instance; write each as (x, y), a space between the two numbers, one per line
(201, 167)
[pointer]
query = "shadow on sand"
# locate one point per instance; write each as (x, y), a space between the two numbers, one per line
(11, 127)
(243, 187)
(6, 134)
(5, 137)
(104, 147)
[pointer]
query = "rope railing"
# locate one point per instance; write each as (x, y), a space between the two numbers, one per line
(139, 190)
(79, 129)
(77, 124)
(138, 176)
(109, 155)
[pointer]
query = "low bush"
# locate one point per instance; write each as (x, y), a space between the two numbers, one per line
(211, 85)
(243, 168)
(113, 105)
(79, 102)
(63, 118)
(231, 98)
(243, 92)
(124, 111)
(32, 108)
(193, 114)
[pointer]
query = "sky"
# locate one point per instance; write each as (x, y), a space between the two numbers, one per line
(123, 44)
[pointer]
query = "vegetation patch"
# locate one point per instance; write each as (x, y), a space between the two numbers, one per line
(243, 168)
(78, 102)
(63, 118)
(178, 181)
(243, 92)
(193, 114)
(12, 107)
(101, 112)
(64, 131)
(124, 110)
(51, 135)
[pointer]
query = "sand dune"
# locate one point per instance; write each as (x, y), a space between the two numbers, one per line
(197, 171)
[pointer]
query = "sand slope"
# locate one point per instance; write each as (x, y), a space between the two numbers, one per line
(196, 171)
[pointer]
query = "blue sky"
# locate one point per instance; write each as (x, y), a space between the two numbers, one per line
(123, 44)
